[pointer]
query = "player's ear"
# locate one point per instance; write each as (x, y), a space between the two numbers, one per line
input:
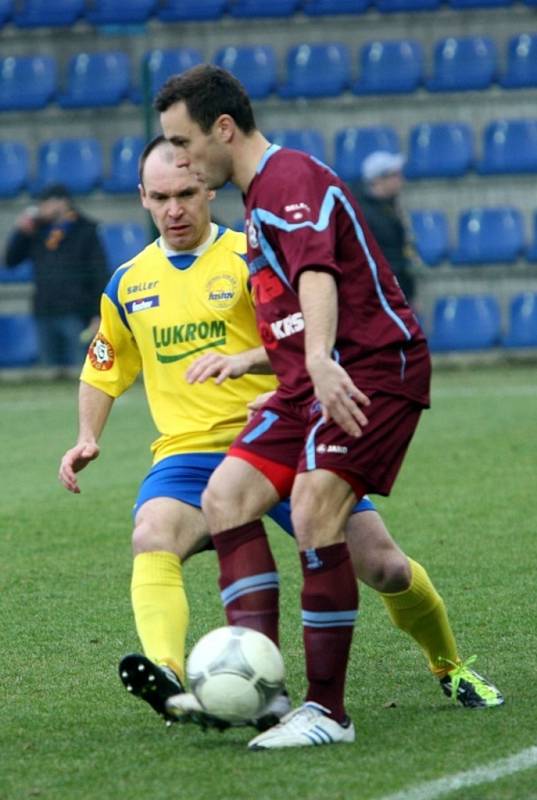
(143, 196)
(211, 194)
(225, 127)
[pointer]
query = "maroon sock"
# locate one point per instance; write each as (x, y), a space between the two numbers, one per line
(248, 578)
(329, 608)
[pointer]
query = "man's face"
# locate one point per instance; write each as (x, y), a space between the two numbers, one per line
(177, 201)
(205, 153)
(53, 209)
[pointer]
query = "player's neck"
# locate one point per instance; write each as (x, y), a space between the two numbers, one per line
(249, 153)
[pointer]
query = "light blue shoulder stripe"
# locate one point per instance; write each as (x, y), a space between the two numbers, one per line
(112, 290)
(269, 152)
(333, 193)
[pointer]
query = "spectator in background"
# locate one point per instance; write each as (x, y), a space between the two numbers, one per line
(70, 272)
(378, 195)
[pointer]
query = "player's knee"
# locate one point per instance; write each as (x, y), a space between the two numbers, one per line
(391, 574)
(142, 538)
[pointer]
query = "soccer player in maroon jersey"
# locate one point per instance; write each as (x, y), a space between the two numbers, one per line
(354, 370)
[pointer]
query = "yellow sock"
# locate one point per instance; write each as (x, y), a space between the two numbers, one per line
(420, 612)
(160, 608)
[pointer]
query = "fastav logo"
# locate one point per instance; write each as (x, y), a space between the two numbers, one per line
(142, 304)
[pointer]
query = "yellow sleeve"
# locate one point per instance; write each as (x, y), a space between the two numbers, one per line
(113, 360)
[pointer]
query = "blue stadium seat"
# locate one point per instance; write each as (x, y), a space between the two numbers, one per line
(431, 235)
(522, 321)
(160, 64)
(179, 11)
(464, 63)
(6, 8)
(441, 149)
(77, 163)
(390, 6)
(122, 241)
(489, 236)
(521, 62)
(316, 8)
(110, 12)
(262, 8)
(27, 82)
(509, 146)
(18, 338)
(22, 273)
(253, 65)
(479, 3)
(124, 168)
(308, 140)
(317, 70)
(390, 67)
(465, 323)
(38, 13)
(14, 168)
(97, 79)
(352, 145)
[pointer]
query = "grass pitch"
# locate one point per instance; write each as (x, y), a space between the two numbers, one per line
(465, 505)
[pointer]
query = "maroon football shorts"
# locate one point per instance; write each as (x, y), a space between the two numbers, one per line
(284, 438)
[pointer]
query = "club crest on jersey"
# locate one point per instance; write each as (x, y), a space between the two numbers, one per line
(101, 353)
(222, 291)
(251, 233)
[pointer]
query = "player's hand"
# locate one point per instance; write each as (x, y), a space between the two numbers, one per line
(259, 401)
(217, 366)
(75, 460)
(340, 399)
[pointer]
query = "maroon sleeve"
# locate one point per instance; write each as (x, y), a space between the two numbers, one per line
(302, 224)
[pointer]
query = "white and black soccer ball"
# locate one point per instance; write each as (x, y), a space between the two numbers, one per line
(235, 672)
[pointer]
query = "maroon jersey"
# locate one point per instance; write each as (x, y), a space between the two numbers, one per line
(301, 216)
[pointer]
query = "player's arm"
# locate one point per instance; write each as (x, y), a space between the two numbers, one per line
(93, 409)
(339, 397)
(220, 367)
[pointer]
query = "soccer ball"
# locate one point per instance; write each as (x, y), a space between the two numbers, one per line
(235, 672)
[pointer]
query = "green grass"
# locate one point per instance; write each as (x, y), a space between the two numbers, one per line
(464, 505)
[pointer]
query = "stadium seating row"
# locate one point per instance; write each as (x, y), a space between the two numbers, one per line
(37, 13)
(485, 236)
(321, 69)
(467, 322)
(434, 150)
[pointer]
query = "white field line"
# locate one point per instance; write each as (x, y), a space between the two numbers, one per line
(488, 773)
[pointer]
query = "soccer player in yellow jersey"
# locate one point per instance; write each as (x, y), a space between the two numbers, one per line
(184, 295)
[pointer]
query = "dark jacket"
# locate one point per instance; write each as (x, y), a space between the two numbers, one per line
(387, 226)
(69, 266)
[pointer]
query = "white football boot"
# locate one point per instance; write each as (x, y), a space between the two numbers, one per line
(305, 726)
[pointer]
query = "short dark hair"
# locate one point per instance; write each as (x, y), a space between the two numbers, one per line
(208, 92)
(150, 146)
(56, 191)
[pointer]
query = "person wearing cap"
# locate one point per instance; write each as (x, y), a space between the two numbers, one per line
(378, 195)
(70, 272)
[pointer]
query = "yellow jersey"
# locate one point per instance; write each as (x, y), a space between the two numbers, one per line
(159, 314)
